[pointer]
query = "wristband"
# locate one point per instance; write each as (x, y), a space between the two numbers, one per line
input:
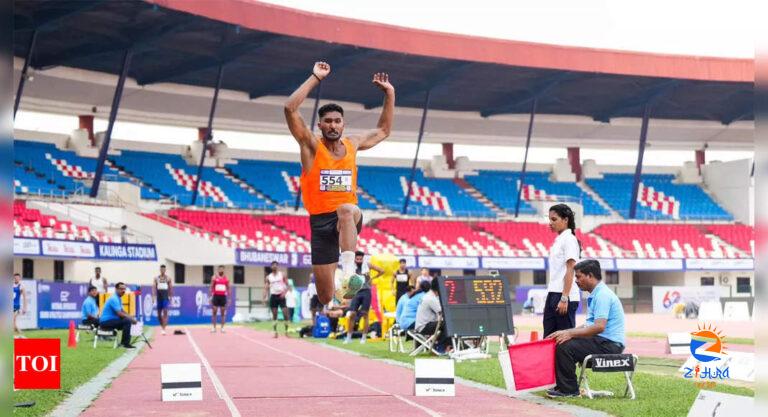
(318, 78)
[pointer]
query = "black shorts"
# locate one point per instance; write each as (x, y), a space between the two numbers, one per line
(361, 302)
(219, 300)
(314, 303)
(325, 237)
(275, 301)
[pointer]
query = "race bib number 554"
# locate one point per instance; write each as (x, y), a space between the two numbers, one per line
(336, 180)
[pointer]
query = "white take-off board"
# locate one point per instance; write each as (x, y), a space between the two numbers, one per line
(181, 382)
(434, 378)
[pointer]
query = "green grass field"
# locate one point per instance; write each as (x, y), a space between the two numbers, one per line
(78, 366)
(661, 392)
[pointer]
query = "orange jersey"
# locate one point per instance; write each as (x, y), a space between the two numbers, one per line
(330, 183)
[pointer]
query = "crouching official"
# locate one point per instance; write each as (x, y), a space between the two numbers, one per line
(603, 333)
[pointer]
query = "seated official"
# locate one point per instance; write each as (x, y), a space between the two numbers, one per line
(428, 315)
(402, 302)
(90, 309)
(407, 320)
(114, 317)
(603, 333)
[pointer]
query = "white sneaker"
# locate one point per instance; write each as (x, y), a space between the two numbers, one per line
(222, 330)
(163, 332)
(213, 330)
(346, 341)
(362, 341)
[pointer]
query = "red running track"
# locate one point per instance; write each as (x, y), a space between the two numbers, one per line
(261, 376)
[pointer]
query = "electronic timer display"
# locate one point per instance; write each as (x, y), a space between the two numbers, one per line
(476, 306)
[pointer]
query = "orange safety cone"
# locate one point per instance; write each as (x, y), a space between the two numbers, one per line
(72, 339)
(534, 335)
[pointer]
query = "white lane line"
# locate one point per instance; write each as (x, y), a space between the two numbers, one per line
(427, 410)
(234, 412)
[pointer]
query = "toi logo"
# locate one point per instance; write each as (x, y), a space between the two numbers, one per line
(37, 363)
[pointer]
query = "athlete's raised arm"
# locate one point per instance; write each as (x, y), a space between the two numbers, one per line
(372, 137)
(296, 124)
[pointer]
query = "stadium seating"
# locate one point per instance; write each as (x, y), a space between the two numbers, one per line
(501, 188)
(535, 239)
(370, 240)
(29, 222)
(663, 241)
(38, 171)
(454, 238)
(244, 230)
(691, 201)
(173, 176)
(738, 235)
(431, 196)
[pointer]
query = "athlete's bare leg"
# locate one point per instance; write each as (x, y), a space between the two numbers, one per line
(324, 275)
(349, 215)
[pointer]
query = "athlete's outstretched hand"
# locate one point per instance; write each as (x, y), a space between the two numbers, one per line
(381, 79)
(321, 69)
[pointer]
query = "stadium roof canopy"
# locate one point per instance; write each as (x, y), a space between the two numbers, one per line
(481, 89)
(267, 50)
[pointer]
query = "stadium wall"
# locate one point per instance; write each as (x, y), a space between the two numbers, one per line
(730, 183)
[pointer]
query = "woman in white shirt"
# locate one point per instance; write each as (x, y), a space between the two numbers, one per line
(563, 294)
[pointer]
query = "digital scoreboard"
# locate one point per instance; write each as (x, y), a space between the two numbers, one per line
(476, 306)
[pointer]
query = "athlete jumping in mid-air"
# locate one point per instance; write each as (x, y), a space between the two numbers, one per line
(329, 177)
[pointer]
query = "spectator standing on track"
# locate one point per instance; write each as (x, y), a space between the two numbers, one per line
(424, 277)
(290, 302)
(219, 298)
(162, 291)
(361, 302)
(99, 281)
(314, 301)
(277, 285)
(402, 280)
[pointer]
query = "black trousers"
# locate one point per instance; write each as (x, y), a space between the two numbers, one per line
(568, 354)
(554, 321)
(118, 324)
(92, 321)
(429, 329)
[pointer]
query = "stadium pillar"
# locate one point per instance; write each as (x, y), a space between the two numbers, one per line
(534, 103)
(86, 122)
(112, 116)
(311, 129)
(24, 70)
(574, 157)
(448, 153)
(701, 158)
(639, 166)
(416, 155)
(208, 134)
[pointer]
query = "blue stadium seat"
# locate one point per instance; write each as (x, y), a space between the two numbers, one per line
(695, 204)
(152, 169)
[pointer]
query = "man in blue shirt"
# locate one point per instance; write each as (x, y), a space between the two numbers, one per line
(113, 316)
(407, 319)
(90, 308)
(401, 303)
(603, 333)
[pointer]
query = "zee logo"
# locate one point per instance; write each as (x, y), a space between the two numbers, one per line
(37, 363)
